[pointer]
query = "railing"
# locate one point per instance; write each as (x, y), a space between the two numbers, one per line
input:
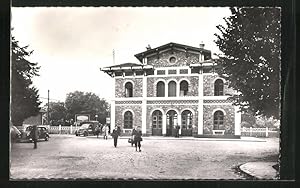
(259, 132)
(61, 129)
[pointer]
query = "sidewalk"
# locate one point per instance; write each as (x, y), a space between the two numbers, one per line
(260, 170)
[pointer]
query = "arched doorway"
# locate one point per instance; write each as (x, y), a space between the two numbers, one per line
(171, 122)
(186, 123)
(157, 123)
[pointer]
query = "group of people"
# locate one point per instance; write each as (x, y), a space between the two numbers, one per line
(136, 138)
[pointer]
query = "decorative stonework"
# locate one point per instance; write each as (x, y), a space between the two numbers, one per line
(217, 101)
(161, 102)
(128, 102)
(182, 59)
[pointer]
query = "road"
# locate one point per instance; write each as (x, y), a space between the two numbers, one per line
(68, 156)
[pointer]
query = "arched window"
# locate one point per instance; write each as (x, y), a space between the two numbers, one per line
(128, 120)
(186, 119)
(218, 120)
(219, 87)
(184, 88)
(172, 89)
(128, 89)
(157, 119)
(160, 89)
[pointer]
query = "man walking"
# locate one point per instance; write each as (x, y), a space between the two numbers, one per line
(115, 135)
(34, 136)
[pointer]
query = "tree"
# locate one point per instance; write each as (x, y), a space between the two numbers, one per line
(24, 97)
(57, 113)
(86, 103)
(250, 58)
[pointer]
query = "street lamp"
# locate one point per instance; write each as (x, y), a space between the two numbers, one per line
(96, 116)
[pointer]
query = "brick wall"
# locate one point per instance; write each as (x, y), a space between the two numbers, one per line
(193, 86)
(208, 86)
(137, 87)
(228, 118)
(183, 59)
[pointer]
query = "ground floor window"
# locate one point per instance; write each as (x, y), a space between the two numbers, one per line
(186, 119)
(128, 120)
(218, 120)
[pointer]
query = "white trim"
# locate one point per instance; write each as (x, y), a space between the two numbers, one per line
(184, 79)
(230, 104)
(217, 109)
(126, 111)
(128, 104)
(214, 80)
(125, 81)
(160, 109)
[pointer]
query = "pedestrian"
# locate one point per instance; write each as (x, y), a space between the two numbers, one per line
(177, 131)
(115, 135)
(133, 133)
(137, 140)
(119, 130)
(34, 136)
(105, 130)
(97, 131)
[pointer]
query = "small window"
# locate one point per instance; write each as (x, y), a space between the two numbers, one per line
(219, 87)
(172, 60)
(173, 71)
(128, 89)
(161, 72)
(183, 71)
(128, 73)
(139, 73)
(118, 74)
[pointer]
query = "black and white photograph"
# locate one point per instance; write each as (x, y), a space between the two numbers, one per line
(145, 93)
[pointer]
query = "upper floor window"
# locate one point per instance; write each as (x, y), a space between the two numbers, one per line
(128, 120)
(219, 87)
(160, 89)
(218, 120)
(128, 89)
(172, 89)
(184, 87)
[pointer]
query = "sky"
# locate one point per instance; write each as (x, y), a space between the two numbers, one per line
(71, 44)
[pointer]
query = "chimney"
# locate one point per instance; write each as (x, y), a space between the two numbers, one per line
(202, 45)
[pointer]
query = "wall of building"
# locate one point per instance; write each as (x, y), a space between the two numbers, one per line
(166, 108)
(228, 118)
(208, 85)
(183, 59)
(120, 87)
(137, 114)
(193, 86)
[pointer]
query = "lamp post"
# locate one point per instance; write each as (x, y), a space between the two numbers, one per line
(96, 117)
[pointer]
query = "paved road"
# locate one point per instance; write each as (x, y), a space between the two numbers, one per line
(68, 156)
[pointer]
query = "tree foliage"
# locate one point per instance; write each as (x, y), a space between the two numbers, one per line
(250, 58)
(86, 103)
(57, 113)
(24, 96)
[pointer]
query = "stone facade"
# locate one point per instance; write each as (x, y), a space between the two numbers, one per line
(120, 87)
(137, 114)
(208, 85)
(182, 59)
(228, 118)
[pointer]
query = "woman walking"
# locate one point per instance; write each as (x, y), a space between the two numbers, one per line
(133, 133)
(137, 140)
(105, 131)
(115, 135)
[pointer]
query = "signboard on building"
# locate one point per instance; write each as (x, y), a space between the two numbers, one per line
(82, 117)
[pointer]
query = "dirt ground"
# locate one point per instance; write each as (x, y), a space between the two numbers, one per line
(68, 156)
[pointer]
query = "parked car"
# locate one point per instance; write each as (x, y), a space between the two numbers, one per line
(88, 128)
(42, 133)
(15, 133)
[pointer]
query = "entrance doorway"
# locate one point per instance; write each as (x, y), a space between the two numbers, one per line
(157, 123)
(171, 122)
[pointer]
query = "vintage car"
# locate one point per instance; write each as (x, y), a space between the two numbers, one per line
(42, 133)
(88, 128)
(15, 134)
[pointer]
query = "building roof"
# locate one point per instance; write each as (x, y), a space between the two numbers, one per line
(141, 55)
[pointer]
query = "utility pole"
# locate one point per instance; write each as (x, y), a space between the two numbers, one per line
(113, 56)
(48, 120)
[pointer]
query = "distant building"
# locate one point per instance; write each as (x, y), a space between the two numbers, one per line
(173, 85)
(35, 120)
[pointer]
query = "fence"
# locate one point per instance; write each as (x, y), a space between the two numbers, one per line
(259, 132)
(61, 129)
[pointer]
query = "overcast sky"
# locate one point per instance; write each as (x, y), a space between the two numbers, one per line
(71, 44)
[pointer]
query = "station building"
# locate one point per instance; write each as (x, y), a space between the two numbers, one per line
(173, 84)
